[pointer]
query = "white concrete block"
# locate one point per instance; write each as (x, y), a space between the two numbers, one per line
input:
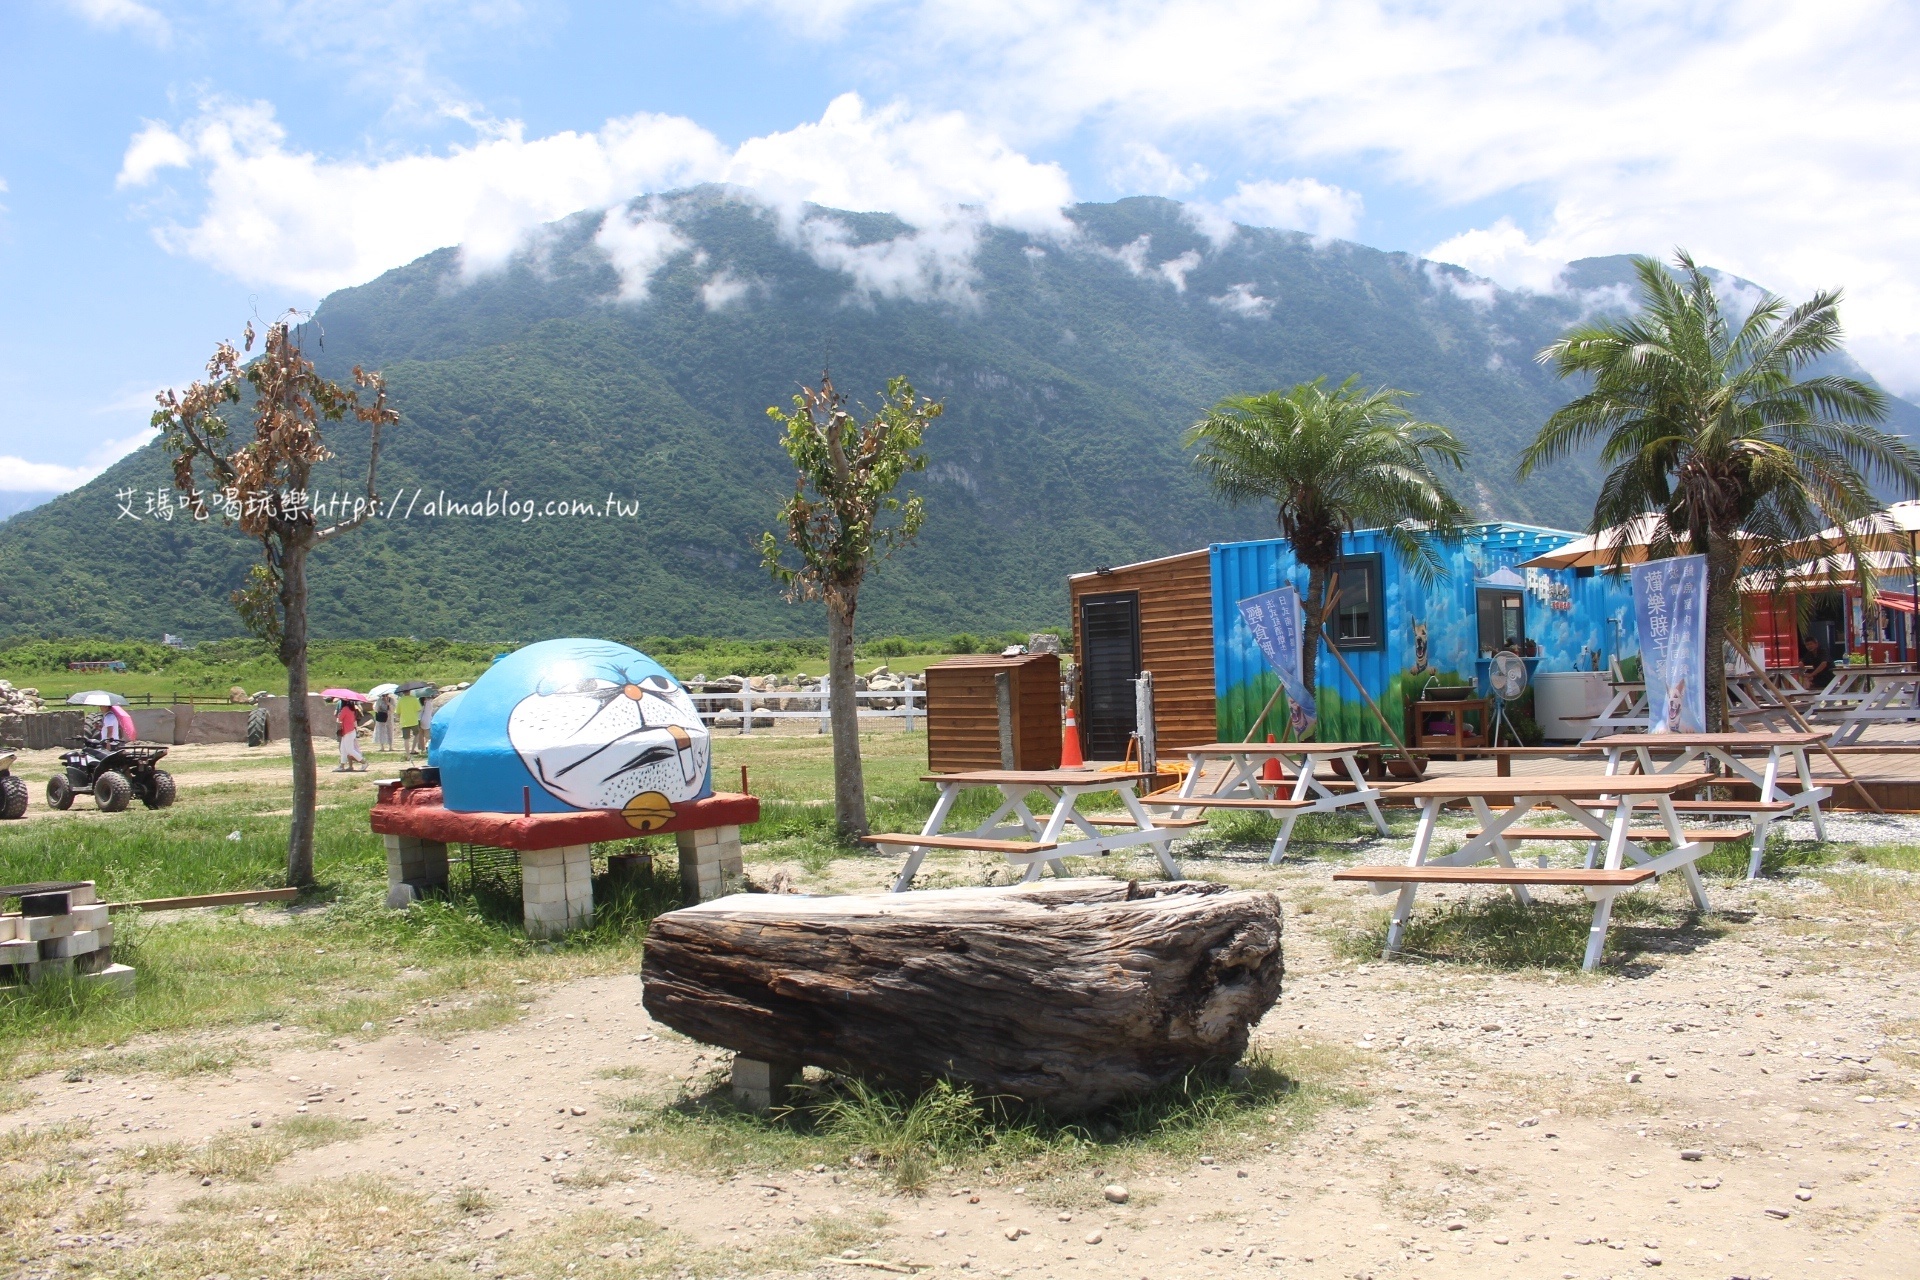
(40, 928)
(83, 895)
(8, 923)
(73, 944)
(89, 917)
(117, 976)
(19, 951)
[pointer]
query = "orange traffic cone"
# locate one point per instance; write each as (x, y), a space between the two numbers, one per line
(1270, 771)
(1070, 757)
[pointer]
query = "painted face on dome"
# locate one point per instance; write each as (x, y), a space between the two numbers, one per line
(602, 740)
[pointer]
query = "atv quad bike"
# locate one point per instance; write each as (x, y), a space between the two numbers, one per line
(115, 772)
(13, 791)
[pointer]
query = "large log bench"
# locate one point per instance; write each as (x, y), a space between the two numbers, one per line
(1071, 994)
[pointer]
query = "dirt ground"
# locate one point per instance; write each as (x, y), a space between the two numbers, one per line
(1740, 1103)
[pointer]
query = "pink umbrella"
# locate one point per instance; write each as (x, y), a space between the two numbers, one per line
(124, 719)
(345, 695)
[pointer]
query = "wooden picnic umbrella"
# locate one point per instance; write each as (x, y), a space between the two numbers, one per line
(1629, 543)
(1894, 531)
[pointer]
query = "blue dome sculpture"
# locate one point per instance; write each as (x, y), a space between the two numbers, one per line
(574, 725)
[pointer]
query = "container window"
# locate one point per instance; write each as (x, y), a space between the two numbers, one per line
(1503, 620)
(1357, 617)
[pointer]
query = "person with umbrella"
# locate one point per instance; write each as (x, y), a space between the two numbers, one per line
(382, 695)
(409, 715)
(347, 723)
(116, 722)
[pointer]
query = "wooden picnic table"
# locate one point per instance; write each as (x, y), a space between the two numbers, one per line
(1625, 709)
(1733, 750)
(1241, 787)
(1573, 795)
(1858, 697)
(1030, 842)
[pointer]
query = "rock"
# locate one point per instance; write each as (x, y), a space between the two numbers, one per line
(1778, 1213)
(237, 694)
(880, 670)
(1116, 1194)
(1633, 1077)
(1092, 1237)
(1693, 1153)
(1803, 1196)
(1043, 642)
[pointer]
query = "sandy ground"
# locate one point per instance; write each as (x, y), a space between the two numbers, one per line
(1741, 1105)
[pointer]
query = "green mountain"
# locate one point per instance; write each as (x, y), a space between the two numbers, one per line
(1069, 369)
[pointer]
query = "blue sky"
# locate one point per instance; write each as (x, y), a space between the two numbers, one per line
(170, 169)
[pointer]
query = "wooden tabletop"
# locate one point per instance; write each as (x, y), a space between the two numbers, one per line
(1277, 748)
(1574, 786)
(1035, 777)
(1753, 741)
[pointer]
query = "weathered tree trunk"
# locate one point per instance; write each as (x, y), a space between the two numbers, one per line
(1316, 605)
(293, 652)
(1723, 571)
(849, 781)
(1072, 995)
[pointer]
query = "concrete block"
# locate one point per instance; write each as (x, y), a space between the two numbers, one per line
(20, 951)
(72, 945)
(759, 1085)
(41, 970)
(118, 977)
(40, 928)
(84, 894)
(8, 923)
(89, 917)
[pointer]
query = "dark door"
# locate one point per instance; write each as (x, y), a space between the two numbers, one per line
(1110, 641)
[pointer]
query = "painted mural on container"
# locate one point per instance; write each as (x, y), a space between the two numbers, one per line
(1424, 633)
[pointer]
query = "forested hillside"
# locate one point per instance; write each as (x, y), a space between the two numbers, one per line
(1069, 370)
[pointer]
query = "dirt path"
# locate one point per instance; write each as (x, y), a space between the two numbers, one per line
(1742, 1107)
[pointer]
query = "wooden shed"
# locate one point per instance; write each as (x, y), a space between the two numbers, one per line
(976, 722)
(1153, 616)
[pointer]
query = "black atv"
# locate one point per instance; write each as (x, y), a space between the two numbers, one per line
(13, 791)
(115, 772)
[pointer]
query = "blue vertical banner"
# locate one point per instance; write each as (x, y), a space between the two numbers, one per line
(1670, 606)
(1275, 620)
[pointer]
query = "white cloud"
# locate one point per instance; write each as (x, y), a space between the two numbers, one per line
(1297, 204)
(1144, 169)
(1176, 270)
(725, 289)
(1133, 254)
(124, 15)
(277, 215)
(638, 242)
(1241, 300)
(20, 475)
(1769, 137)
(1501, 252)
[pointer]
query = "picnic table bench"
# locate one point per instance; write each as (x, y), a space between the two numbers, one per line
(1027, 842)
(1242, 787)
(1569, 793)
(1783, 751)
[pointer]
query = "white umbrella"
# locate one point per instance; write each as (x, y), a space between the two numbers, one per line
(382, 690)
(1597, 550)
(96, 698)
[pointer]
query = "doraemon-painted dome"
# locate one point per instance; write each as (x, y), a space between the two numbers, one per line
(585, 724)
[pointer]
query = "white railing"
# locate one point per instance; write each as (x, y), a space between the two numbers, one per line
(777, 704)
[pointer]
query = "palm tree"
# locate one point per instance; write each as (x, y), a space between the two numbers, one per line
(1331, 462)
(1706, 426)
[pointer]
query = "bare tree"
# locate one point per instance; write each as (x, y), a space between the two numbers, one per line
(265, 486)
(845, 472)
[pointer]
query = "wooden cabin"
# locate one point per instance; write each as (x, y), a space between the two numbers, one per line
(1153, 616)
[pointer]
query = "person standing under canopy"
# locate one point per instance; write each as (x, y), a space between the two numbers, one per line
(348, 725)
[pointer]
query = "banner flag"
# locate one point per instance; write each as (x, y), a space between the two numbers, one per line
(1275, 620)
(1670, 606)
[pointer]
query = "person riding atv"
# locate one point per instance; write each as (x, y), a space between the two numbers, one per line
(13, 791)
(115, 772)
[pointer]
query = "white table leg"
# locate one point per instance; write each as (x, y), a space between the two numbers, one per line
(1763, 822)
(1677, 836)
(1806, 784)
(1162, 848)
(1373, 806)
(1403, 904)
(941, 808)
(1597, 932)
(1499, 843)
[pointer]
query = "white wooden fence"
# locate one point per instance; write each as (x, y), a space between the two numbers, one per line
(775, 704)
